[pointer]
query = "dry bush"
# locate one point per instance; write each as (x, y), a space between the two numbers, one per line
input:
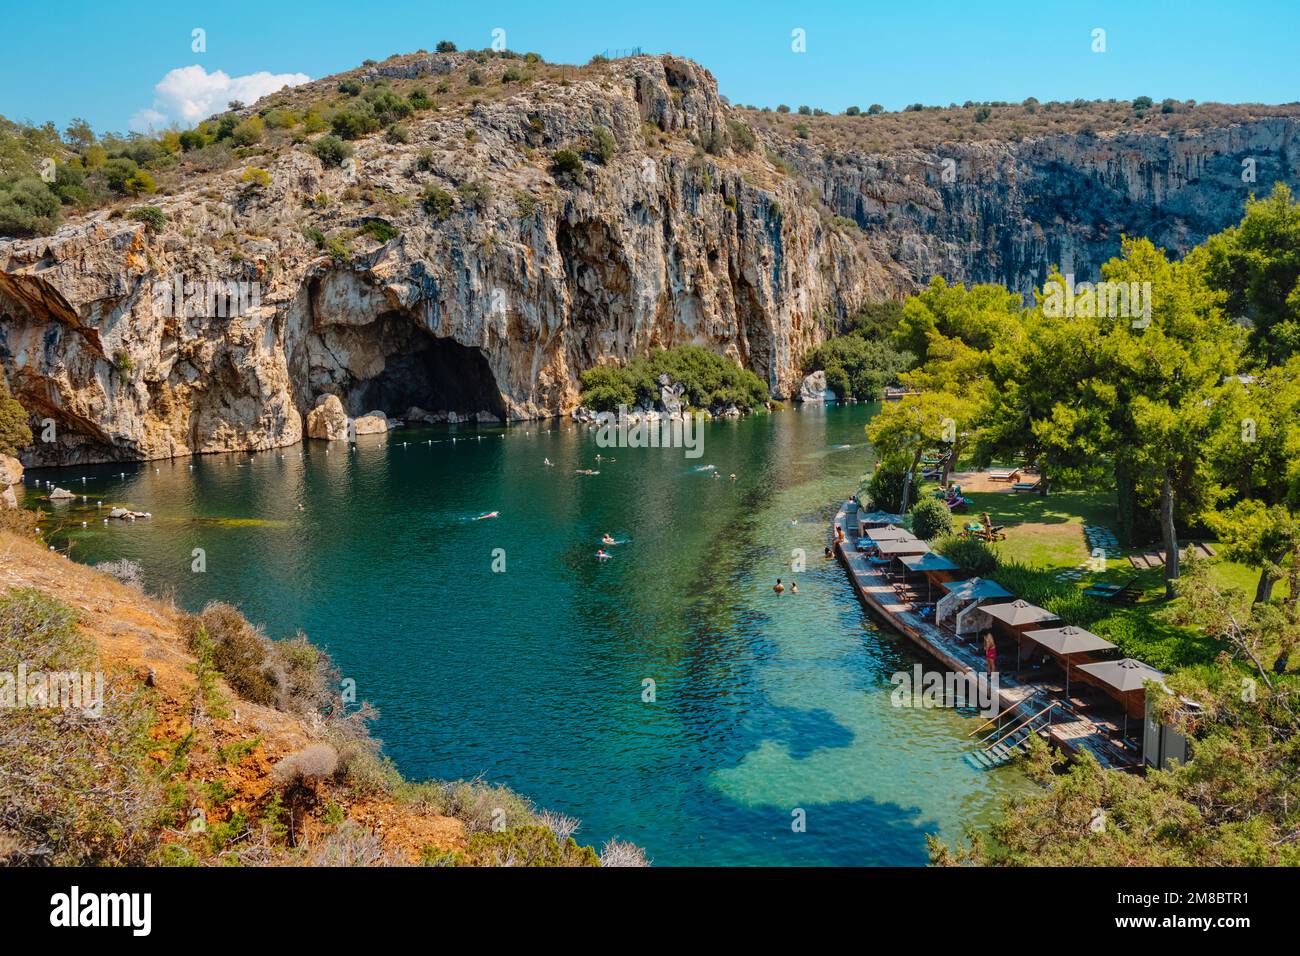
(75, 789)
(349, 844)
(482, 807)
(618, 852)
(128, 572)
(558, 823)
(314, 762)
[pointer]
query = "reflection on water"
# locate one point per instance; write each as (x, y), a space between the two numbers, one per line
(534, 676)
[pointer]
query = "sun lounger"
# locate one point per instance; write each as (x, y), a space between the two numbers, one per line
(1113, 593)
(1011, 475)
(1026, 485)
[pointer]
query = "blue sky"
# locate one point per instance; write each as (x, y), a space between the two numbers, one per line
(102, 62)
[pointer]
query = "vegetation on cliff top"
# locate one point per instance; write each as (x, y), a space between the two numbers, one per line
(709, 381)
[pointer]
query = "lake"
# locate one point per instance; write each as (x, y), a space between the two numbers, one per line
(535, 676)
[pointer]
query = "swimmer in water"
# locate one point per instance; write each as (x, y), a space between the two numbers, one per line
(778, 587)
(490, 514)
(602, 554)
(547, 463)
(606, 539)
(794, 588)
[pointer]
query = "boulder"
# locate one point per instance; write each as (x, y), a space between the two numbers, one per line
(328, 420)
(61, 494)
(11, 471)
(814, 389)
(371, 423)
(670, 394)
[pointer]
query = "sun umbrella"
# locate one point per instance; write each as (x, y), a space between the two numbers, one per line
(1125, 676)
(1066, 641)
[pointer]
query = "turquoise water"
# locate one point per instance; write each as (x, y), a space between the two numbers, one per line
(534, 677)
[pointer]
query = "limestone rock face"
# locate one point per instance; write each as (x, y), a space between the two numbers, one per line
(328, 420)
(814, 388)
(11, 472)
(219, 329)
(371, 423)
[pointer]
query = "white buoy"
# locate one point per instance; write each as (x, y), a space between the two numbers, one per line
(83, 524)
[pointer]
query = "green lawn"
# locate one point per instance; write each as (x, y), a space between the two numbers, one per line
(1045, 534)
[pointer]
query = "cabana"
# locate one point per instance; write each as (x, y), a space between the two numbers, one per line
(1014, 618)
(1126, 680)
(1065, 643)
(963, 600)
(898, 547)
(889, 533)
(936, 568)
(876, 519)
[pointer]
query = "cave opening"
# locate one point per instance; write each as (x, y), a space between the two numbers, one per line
(436, 375)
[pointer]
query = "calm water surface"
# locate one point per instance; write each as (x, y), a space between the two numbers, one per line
(533, 677)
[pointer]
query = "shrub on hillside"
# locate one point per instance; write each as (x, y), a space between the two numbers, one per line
(239, 650)
(931, 519)
(28, 208)
(531, 845)
(602, 144)
(436, 202)
(331, 151)
(566, 162)
(977, 558)
(76, 789)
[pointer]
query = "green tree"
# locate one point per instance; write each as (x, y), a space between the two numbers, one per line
(1257, 263)
(908, 428)
(14, 432)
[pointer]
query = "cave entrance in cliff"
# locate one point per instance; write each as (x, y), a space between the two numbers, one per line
(437, 375)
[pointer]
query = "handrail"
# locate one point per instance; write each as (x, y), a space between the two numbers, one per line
(1017, 704)
(1022, 724)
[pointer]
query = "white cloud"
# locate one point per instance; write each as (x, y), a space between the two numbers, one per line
(190, 93)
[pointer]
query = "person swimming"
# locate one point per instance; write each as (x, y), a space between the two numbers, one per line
(778, 587)
(490, 514)
(794, 588)
(547, 463)
(602, 555)
(607, 539)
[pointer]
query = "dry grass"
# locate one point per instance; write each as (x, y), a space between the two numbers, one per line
(927, 128)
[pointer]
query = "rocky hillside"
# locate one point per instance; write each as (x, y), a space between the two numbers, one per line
(532, 223)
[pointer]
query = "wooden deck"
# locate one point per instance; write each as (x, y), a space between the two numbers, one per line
(876, 590)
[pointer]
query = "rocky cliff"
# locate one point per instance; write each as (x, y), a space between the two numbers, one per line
(1006, 212)
(352, 281)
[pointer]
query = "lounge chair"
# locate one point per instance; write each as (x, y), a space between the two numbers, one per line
(1113, 593)
(1026, 485)
(1011, 475)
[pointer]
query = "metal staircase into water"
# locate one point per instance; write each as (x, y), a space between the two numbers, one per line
(998, 747)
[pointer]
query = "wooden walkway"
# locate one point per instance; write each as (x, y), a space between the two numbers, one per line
(876, 591)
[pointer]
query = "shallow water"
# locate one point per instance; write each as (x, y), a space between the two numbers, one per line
(534, 676)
